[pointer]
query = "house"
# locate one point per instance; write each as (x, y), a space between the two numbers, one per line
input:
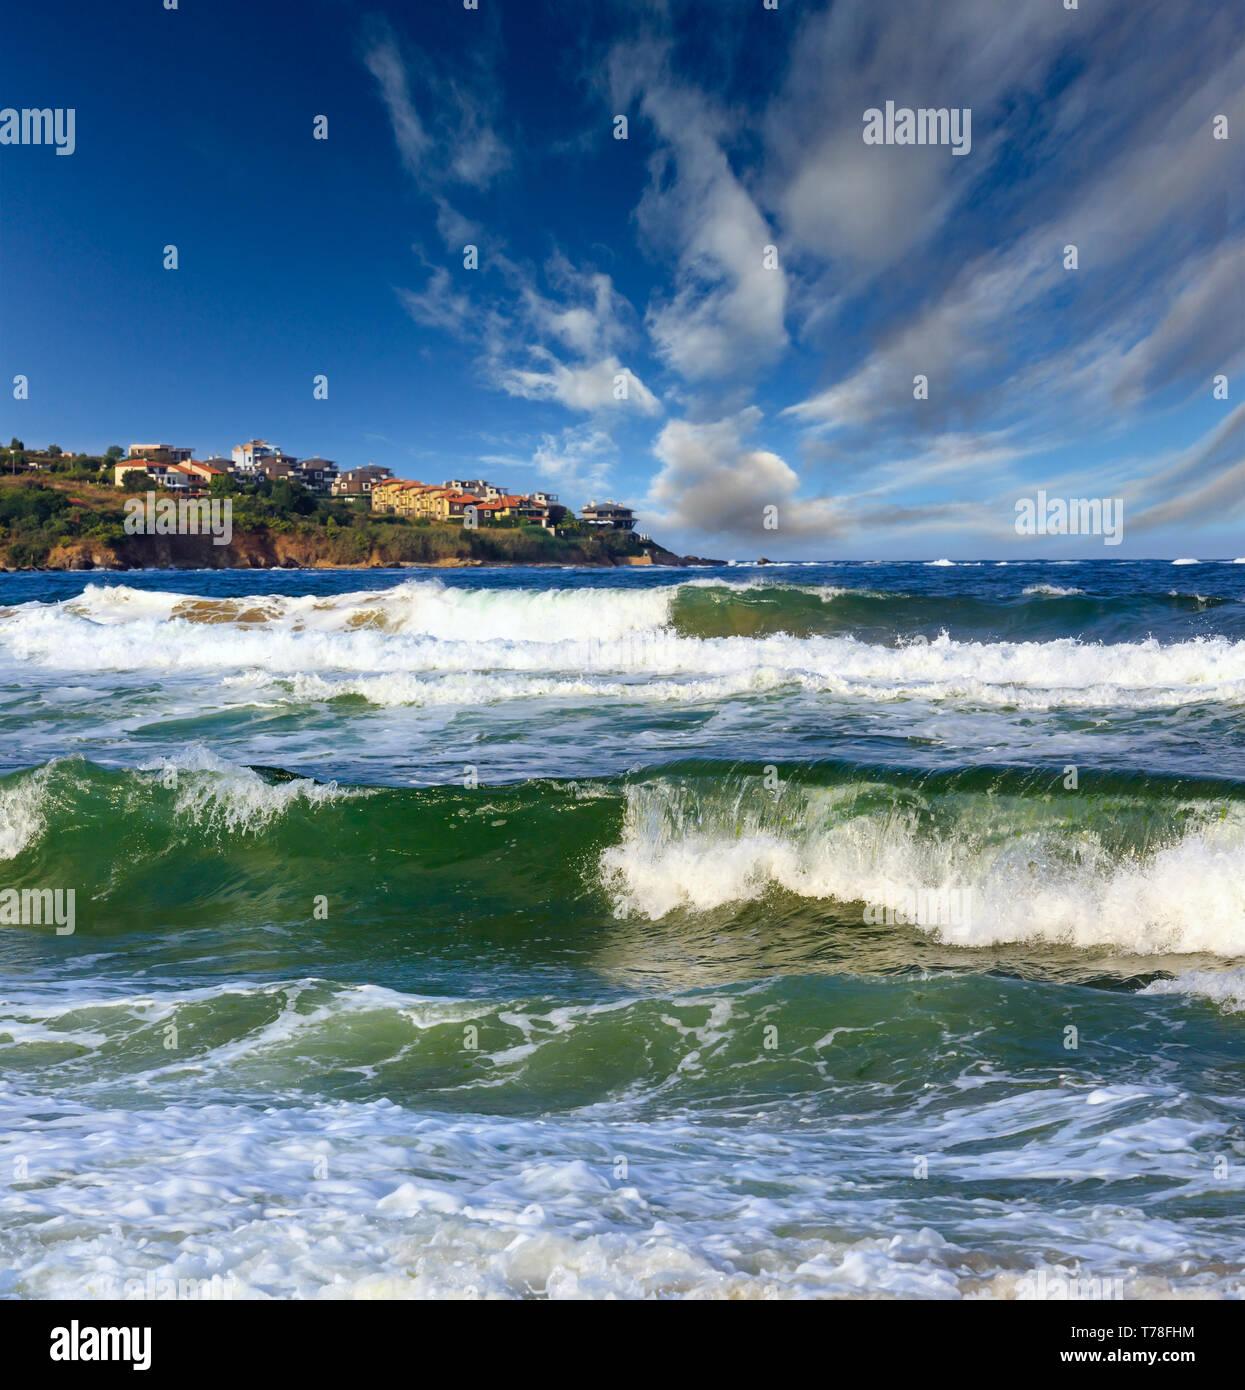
(427, 501)
(548, 514)
(405, 497)
(273, 467)
(491, 511)
(452, 506)
(421, 500)
(161, 453)
(206, 471)
(608, 514)
(476, 487)
(383, 492)
(178, 477)
(409, 499)
(358, 482)
(247, 457)
(315, 474)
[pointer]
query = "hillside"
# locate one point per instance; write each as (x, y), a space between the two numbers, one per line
(58, 523)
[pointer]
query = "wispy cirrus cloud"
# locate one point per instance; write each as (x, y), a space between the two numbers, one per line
(725, 312)
(447, 137)
(788, 379)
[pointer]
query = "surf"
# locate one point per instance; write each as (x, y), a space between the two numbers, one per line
(1143, 865)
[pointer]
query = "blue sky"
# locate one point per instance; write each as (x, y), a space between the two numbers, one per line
(748, 385)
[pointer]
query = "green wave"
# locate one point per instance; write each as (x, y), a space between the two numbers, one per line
(312, 1037)
(1144, 863)
(722, 610)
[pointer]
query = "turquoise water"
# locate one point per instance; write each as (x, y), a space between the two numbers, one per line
(844, 930)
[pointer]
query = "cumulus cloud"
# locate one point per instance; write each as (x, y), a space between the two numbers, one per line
(713, 483)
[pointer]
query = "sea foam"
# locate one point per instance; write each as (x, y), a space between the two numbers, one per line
(1031, 875)
(424, 628)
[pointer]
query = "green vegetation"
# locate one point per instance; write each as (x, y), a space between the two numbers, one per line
(69, 513)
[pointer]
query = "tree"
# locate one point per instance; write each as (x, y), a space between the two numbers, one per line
(114, 453)
(135, 480)
(16, 444)
(222, 485)
(54, 451)
(291, 497)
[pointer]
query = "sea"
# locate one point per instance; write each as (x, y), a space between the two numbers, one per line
(856, 930)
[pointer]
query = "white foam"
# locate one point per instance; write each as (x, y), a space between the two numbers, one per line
(1050, 591)
(333, 1197)
(1226, 988)
(418, 607)
(22, 805)
(1028, 881)
(583, 644)
(211, 791)
(1031, 675)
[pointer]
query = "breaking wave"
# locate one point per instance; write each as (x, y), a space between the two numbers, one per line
(1146, 865)
(423, 642)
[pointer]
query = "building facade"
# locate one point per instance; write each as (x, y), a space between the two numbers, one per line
(247, 457)
(608, 514)
(161, 453)
(358, 482)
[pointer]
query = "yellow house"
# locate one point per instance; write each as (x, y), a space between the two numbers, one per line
(421, 500)
(448, 505)
(412, 500)
(385, 493)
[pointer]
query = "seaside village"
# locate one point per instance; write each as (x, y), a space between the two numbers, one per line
(173, 467)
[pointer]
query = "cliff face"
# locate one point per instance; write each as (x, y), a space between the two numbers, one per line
(287, 550)
(177, 552)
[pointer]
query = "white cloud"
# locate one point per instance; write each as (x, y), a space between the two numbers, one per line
(458, 144)
(587, 387)
(385, 64)
(712, 483)
(439, 304)
(726, 314)
(579, 458)
(589, 317)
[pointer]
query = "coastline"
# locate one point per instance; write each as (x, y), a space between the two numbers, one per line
(240, 560)
(54, 524)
